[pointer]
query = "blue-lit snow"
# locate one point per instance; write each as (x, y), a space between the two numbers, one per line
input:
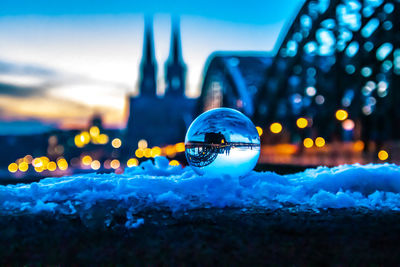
(172, 188)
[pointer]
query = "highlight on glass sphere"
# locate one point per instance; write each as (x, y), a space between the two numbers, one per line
(222, 141)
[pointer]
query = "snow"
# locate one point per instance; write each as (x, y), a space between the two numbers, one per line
(132, 222)
(160, 186)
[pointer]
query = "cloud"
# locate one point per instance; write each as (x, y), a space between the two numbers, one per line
(25, 69)
(19, 91)
(31, 91)
(28, 80)
(25, 80)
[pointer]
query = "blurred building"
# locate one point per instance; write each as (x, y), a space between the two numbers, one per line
(232, 79)
(336, 67)
(158, 119)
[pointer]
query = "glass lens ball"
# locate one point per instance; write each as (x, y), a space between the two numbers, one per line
(222, 141)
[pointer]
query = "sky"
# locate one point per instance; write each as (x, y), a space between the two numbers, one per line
(62, 61)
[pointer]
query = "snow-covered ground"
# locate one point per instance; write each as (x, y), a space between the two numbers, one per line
(160, 186)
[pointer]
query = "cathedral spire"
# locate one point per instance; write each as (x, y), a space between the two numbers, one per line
(148, 42)
(148, 67)
(175, 54)
(175, 67)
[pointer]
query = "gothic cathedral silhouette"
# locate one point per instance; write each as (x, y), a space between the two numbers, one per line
(160, 120)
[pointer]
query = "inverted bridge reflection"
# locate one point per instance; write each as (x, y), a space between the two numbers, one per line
(200, 154)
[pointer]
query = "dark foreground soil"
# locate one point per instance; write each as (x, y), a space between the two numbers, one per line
(225, 237)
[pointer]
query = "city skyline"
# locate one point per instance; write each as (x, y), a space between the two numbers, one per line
(72, 57)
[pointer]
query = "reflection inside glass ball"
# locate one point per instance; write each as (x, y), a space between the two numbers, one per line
(222, 141)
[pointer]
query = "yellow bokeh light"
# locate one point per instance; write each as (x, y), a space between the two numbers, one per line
(13, 167)
(142, 144)
(44, 160)
(62, 164)
(174, 163)
(319, 141)
(39, 169)
(139, 153)
(116, 143)
(132, 162)
(85, 137)
(341, 114)
(102, 139)
(95, 165)
(87, 160)
(170, 151)
(259, 130)
(180, 147)
(302, 123)
(94, 131)
(308, 142)
(78, 141)
(383, 155)
(155, 151)
(51, 166)
(275, 127)
(37, 162)
(23, 166)
(115, 164)
(147, 152)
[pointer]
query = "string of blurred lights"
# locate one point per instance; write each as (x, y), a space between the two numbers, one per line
(86, 161)
(94, 136)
